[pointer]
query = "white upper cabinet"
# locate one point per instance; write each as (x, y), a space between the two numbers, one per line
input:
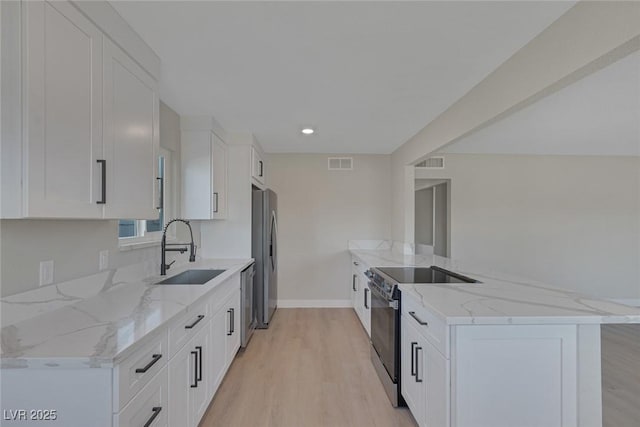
(220, 165)
(258, 172)
(131, 137)
(63, 107)
(89, 138)
(204, 166)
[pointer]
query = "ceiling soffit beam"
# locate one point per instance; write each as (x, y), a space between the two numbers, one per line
(588, 37)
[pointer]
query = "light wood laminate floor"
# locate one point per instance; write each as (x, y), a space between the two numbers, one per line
(621, 375)
(310, 368)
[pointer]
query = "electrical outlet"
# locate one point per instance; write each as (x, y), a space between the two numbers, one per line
(46, 272)
(103, 262)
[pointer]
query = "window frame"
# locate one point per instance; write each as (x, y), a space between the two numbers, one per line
(142, 237)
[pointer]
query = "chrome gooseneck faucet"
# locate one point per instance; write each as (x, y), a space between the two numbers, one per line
(182, 249)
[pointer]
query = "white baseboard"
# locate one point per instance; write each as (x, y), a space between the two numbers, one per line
(633, 302)
(314, 303)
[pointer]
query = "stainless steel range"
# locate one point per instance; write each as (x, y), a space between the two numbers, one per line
(385, 318)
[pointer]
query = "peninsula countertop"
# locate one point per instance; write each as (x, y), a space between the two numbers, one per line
(104, 328)
(499, 298)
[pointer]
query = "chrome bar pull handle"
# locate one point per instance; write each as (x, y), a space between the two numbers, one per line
(413, 358)
(420, 321)
(154, 359)
(418, 379)
(195, 369)
(156, 411)
(103, 200)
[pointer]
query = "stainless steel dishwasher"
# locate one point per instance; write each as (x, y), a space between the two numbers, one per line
(248, 318)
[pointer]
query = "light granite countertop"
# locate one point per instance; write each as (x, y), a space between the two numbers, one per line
(104, 327)
(500, 298)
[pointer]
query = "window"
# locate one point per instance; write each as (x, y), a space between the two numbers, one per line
(131, 231)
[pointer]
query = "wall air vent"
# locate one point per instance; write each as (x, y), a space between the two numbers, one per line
(340, 163)
(431, 163)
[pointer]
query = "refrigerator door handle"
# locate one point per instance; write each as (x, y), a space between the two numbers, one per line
(273, 242)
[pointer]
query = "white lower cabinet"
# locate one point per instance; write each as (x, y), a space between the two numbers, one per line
(233, 329)
(196, 371)
(361, 294)
(181, 377)
(354, 286)
(496, 375)
(199, 397)
(138, 369)
(425, 378)
(218, 353)
(412, 389)
(189, 381)
(149, 407)
(366, 301)
(167, 381)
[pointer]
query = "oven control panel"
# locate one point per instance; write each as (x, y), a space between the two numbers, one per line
(381, 284)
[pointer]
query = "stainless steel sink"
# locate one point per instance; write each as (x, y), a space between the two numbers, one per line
(191, 277)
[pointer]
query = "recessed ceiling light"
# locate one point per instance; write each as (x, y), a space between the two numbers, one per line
(308, 131)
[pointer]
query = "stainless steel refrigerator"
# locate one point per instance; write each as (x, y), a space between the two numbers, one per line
(264, 236)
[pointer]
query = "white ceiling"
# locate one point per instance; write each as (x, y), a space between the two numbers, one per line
(367, 75)
(598, 115)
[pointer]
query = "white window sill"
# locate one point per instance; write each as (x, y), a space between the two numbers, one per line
(125, 245)
(138, 245)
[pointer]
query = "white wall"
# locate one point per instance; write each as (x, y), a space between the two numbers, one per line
(590, 36)
(73, 245)
(571, 221)
(319, 211)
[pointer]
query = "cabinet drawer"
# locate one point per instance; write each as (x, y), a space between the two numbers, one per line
(432, 328)
(149, 407)
(133, 373)
(183, 329)
(219, 297)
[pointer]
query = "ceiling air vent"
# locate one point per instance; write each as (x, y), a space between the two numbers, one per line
(340, 163)
(431, 163)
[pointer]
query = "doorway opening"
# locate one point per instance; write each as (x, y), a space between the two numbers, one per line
(432, 216)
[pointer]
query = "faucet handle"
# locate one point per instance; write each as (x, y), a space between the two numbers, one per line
(168, 266)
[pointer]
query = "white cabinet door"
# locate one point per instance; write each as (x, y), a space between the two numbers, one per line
(412, 372)
(197, 185)
(437, 390)
(233, 326)
(219, 162)
(181, 376)
(258, 168)
(361, 295)
(131, 111)
(199, 395)
(504, 374)
(204, 175)
(149, 407)
(366, 303)
(63, 105)
(354, 288)
(189, 381)
(218, 353)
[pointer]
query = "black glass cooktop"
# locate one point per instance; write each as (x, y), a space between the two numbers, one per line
(424, 275)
